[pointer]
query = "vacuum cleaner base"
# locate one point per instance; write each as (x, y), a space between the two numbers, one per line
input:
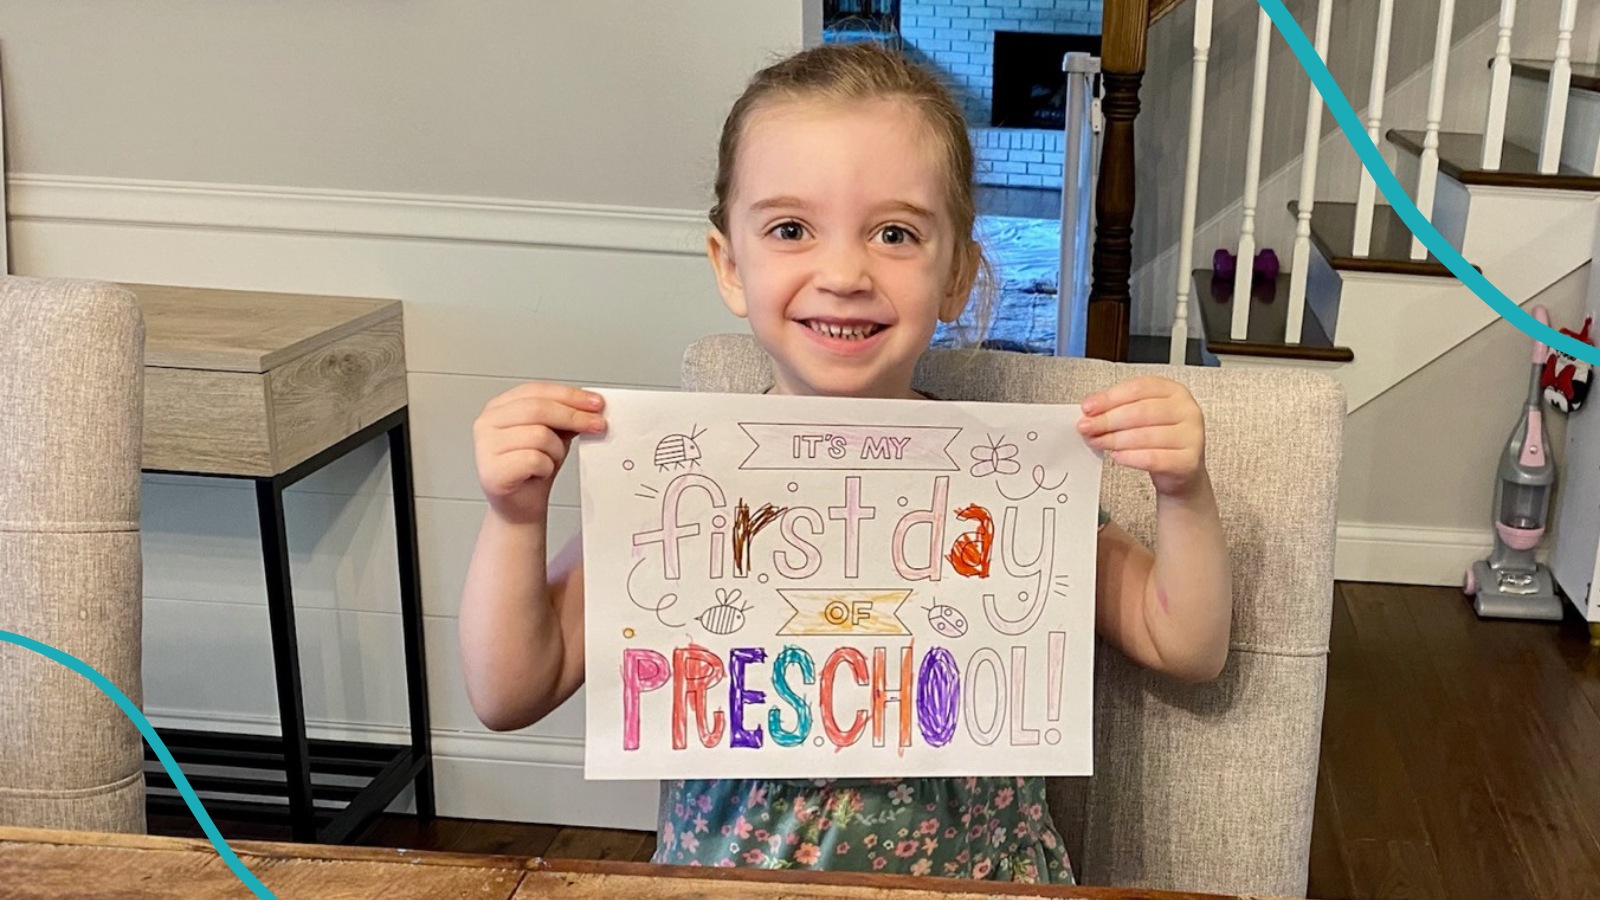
(1505, 595)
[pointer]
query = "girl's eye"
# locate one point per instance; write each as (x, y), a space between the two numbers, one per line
(788, 231)
(894, 234)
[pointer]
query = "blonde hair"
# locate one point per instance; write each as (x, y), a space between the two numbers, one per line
(867, 70)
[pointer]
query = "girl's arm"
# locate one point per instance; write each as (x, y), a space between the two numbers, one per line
(1170, 610)
(521, 624)
(521, 619)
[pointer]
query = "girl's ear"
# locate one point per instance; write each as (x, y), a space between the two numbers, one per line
(720, 251)
(964, 276)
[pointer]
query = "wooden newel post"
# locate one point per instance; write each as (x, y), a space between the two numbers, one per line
(1125, 25)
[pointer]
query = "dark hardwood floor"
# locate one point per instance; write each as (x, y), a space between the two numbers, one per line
(1460, 759)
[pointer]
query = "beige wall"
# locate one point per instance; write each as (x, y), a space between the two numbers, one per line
(613, 103)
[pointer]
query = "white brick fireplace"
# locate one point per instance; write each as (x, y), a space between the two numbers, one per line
(958, 36)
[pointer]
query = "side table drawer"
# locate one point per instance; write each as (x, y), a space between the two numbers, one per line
(261, 424)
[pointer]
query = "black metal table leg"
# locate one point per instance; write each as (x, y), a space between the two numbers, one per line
(405, 532)
(286, 658)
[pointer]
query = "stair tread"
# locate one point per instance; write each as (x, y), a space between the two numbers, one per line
(1585, 76)
(1333, 231)
(1461, 156)
(1269, 318)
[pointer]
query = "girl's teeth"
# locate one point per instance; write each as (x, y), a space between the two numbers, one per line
(847, 332)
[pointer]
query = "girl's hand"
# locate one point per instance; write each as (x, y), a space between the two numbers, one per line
(520, 440)
(1153, 424)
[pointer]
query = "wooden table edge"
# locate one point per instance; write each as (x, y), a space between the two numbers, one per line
(547, 867)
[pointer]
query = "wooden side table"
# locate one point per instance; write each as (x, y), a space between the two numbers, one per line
(271, 388)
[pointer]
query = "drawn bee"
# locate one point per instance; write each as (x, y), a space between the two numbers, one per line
(995, 457)
(723, 617)
(678, 451)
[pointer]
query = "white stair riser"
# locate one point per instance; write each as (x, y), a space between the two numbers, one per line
(1525, 121)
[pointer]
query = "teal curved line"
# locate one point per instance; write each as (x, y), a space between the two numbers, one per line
(133, 713)
(1322, 79)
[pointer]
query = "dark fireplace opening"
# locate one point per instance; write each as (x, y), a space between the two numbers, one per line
(1029, 86)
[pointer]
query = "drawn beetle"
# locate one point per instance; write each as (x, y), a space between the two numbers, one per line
(678, 451)
(723, 617)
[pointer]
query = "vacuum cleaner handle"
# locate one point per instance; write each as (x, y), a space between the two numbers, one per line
(1539, 349)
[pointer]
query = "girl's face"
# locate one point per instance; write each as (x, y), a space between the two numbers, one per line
(840, 248)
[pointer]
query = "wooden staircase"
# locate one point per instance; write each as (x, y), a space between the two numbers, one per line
(1493, 217)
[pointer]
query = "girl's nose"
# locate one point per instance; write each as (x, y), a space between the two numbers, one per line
(844, 269)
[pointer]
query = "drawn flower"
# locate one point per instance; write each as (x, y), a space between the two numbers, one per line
(950, 832)
(807, 855)
(1049, 840)
(841, 848)
(1036, 811)
(929, 826)
(742, 828)
(879, 862)
(689, 842)
(1003, 798)
(1021, 830)
(929, 845)
(701, 826)
(901, 794)
(666, 834)
(755, 856)
(761, 834)
(922, 866)
(705, 803)
(870, 841)
(758, 796)
(982, 868)
(905, 848)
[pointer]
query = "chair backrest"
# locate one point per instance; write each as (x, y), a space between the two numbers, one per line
(1205, 787)
(71, 415)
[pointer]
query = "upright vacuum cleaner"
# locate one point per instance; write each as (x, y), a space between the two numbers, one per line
(1511, 583)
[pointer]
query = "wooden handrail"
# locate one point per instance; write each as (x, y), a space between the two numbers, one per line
(1159, 8)
(1124, 27)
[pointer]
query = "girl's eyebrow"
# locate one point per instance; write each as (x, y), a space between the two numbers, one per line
(907, 206)
(781, 202)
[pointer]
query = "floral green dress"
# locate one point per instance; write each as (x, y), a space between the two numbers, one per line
(979, 828)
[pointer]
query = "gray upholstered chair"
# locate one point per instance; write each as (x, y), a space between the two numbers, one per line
(1204, 787)
(71, 412)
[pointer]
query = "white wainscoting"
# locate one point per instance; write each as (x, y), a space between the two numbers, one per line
(495, 293)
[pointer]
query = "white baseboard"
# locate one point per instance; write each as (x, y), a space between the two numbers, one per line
(1400, 554)
(497, 777)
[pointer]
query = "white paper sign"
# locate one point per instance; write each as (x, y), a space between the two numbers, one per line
(805, 587)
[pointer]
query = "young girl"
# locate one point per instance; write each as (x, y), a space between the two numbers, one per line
(842, 231)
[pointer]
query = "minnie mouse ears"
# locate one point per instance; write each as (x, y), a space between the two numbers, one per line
(1225, 263)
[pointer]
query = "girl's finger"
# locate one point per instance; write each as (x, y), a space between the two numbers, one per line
(1138, 414)
(1146, 387)
(528, 437)
(546, 412)
(1156, 437)
(576, 398)
(1156, 462)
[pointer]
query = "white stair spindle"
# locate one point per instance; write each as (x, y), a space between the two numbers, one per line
(1179, 353)
(1428, 180)
(1555, 111)
(1308, 188)
(1367, 197)
(1242, 281)
(1494, 133)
